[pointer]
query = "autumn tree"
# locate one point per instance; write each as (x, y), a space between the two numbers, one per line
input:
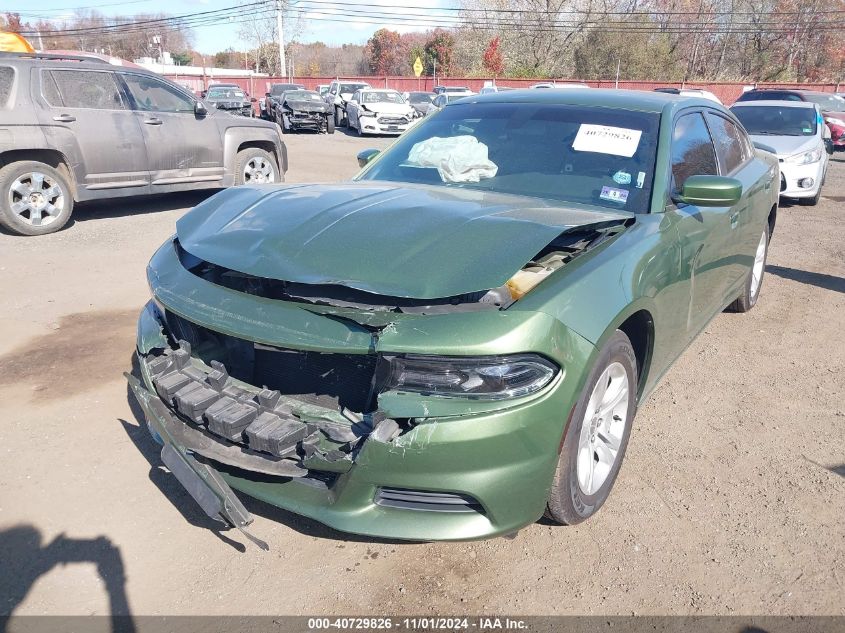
(493, 61)
(384, 52)
(440, 48)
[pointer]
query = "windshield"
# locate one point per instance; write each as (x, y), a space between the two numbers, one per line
(777, 121)
(350, 88)
(599, 156)
(420, 97)
(277, 89)
(381, 97)
(225, 93)
(828, 103)
(302, 95)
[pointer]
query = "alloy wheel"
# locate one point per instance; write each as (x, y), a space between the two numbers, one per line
(259, 170)
(603, 428)
(36, 198)
(757, 269)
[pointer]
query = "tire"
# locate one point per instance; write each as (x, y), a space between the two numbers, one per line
(256, 166)
(29, 209)
(569, 502)
(329, 124)
(339, 119)
(754, 283)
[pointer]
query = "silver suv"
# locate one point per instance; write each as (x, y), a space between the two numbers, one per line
(77, 128)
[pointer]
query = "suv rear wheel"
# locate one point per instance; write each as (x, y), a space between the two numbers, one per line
(34, 198)
(254, 166)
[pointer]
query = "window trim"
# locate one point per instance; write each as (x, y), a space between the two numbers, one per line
(50, 69)
(738, 126)
(121, 74)
(700, 110)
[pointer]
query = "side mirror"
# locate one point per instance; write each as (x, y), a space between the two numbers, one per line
(365, 156)
(200, 109)
(764, 147)
(266, 94)
(710, 191)
(252, 99)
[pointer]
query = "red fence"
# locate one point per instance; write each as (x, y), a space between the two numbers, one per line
(257, 86)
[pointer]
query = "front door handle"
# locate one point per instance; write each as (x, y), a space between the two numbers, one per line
(64, 118)
(153, 121)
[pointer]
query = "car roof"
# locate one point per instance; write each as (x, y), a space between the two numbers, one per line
(781, 103)
(378, 90)
(641, 100)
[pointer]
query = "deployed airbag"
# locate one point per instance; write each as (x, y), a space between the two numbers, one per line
(457, 158)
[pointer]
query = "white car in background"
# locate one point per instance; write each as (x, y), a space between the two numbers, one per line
(453, 90)
(691, 92)
(438, 103)
(796, 133)
(378, 111)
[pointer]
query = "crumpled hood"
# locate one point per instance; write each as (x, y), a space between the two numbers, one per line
(392, 239)
(307, 106)
(401, 109)
(785, 146)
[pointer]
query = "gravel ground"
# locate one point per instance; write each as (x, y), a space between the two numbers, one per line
(730, 502)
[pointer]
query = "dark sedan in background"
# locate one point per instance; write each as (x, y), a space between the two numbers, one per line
(231, 98)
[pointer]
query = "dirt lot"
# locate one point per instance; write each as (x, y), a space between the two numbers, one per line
(731, 499)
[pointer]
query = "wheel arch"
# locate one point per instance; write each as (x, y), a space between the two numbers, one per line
(637, 323)
(773, 216)
(52, 157)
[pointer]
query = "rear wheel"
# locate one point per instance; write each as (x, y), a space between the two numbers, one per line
(597, 436)
(255, 166)
(36, 198)
(751, 290)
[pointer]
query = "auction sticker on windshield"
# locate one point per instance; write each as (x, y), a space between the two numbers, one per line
(614, 195)
(605, 139)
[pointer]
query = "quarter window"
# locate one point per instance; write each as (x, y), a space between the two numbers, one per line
(727, 138)
(82, 89)
(692, 150)
(152, 95)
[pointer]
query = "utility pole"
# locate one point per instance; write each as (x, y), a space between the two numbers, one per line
(280, 27)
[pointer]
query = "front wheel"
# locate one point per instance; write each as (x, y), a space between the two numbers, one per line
(36, 198)
(597, 435)
(329, 124)
(255, 166)
(338, 117)
(751, 290)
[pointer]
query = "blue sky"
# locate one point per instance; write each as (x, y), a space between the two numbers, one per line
(209, 39)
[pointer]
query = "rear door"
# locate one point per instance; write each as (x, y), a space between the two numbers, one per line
(182, 147)
(88, 111)
(705, 234)
(736, 158)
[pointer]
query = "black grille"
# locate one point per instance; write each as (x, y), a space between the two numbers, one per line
(324, 379)
(427, 501)
(392, 120)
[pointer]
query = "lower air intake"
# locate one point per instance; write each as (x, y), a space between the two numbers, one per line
(428, 501)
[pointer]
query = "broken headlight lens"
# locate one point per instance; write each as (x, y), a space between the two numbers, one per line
(480, 377)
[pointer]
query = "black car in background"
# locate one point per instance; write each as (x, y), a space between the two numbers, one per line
(231, 98)
(274, 96)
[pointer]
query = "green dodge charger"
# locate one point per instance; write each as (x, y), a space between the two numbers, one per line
(456, 342)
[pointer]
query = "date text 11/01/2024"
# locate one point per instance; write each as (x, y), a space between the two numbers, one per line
(416, 624)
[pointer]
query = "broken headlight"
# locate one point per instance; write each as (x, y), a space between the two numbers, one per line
(479, 377)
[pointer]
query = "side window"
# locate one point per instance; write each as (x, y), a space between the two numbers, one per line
(6, 77)
(153, 95)
(730, 148)
(357, 96)
(333, 88)
(692, 150)
(88, 89)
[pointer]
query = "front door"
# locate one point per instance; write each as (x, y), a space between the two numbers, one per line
(183, 147)
(705, 234)
(85, 112)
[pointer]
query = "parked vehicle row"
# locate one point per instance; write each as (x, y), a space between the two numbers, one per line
(85, 130)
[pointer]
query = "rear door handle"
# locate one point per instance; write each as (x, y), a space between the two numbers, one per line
(153, 121)
(64, 118)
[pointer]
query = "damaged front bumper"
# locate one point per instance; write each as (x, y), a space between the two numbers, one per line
(418, 468)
